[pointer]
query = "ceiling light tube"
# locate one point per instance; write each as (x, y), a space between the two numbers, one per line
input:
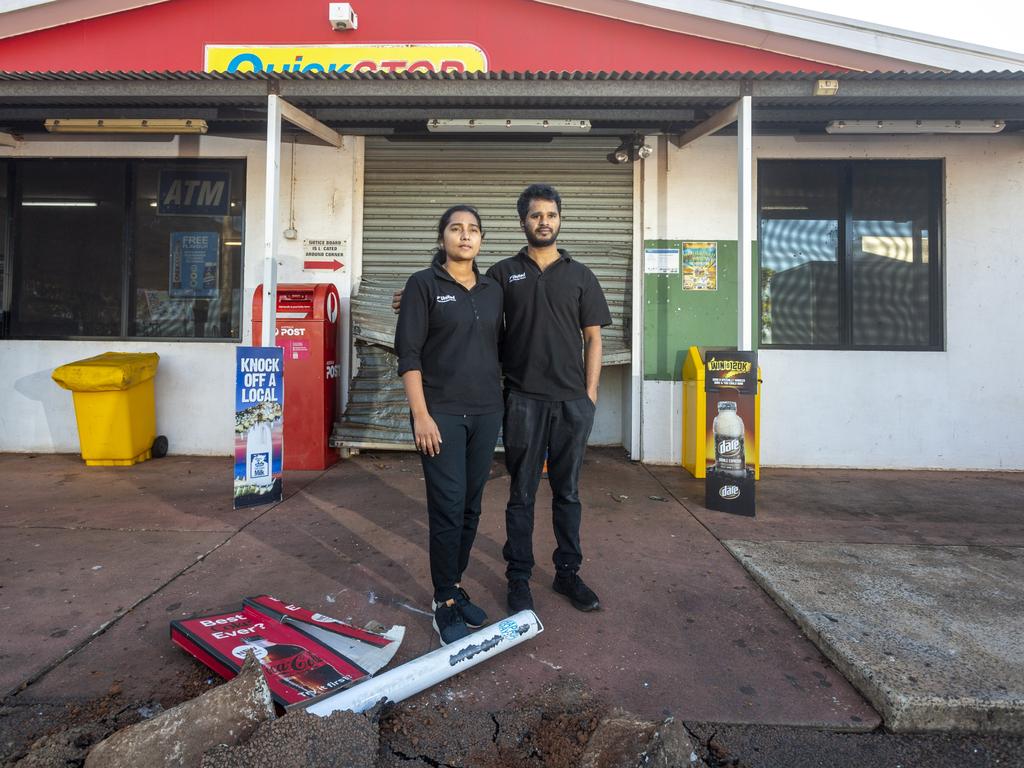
(58, 204)
(914, 126)
(508, 125)
(123, 125)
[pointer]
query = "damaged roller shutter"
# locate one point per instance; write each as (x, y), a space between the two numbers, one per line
(408, 184)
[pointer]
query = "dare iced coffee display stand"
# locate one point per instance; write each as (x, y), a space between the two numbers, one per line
(721, 424)
(307, 331)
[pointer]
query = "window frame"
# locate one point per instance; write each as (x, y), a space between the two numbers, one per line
(936, 172)
(10, 286)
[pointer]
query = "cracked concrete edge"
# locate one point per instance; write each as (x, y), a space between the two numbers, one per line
(901, 713)
(860, 679)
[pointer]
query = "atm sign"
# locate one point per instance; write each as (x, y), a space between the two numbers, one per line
(194, 193)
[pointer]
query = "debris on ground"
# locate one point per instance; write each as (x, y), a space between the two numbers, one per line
(179, 737)
(302, 740)
(66, 748)
(564, 725)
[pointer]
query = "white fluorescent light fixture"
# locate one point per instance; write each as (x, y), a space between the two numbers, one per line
(914, 126)
(58, 204)
(124, 125)
(510, 125)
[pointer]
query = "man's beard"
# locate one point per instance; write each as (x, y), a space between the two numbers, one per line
(541, 242)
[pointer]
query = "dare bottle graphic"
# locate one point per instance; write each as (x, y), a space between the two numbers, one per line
(297, 667)
(259, 449)
(728, 433)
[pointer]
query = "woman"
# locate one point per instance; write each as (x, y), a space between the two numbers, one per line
(447, 346)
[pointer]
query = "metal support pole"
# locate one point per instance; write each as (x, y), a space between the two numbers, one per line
(270, 223)
(745, 281)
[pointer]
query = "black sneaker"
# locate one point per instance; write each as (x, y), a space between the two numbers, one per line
(569, 583)
(519, 597)
(473, 615)
(448, 623)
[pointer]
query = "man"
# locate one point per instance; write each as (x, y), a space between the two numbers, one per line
(551, 359)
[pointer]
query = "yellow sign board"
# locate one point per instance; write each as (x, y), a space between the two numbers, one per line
(453, 57)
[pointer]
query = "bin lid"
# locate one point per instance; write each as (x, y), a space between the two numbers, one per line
(108, 372)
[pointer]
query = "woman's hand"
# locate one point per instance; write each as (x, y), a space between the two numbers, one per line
(427, 435)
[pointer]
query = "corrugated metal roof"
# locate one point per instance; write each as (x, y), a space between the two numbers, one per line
(574, 76)
(615, 102)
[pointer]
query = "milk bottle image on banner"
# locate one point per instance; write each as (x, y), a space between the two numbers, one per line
(727, 429)
(259, 452)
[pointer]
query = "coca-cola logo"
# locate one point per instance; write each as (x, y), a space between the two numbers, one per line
(300, 662)
(729, 492)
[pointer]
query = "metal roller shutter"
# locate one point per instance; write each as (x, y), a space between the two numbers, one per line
(407, 187)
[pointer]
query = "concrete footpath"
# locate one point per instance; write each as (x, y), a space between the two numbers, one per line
(97, 561)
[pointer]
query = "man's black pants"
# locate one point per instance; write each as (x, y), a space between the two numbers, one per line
(455, 481)
(561, 428)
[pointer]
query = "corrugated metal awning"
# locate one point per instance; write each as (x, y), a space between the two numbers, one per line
(387, 103)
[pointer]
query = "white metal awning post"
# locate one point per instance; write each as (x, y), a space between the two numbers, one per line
(270, 223)
(745, 207)
(278, 109)
(740, 113)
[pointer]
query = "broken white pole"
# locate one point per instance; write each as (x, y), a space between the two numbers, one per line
(430, 669)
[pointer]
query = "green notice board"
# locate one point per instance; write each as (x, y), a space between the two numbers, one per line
(678, 317)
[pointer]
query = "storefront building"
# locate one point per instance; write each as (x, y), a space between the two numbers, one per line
(860, 185)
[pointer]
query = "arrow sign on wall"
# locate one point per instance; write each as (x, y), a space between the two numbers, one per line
(332, 264)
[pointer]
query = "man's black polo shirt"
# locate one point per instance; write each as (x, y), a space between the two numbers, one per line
(542, 351)
(451, 336)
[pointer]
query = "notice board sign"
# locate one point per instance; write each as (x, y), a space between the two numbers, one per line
(259, 425)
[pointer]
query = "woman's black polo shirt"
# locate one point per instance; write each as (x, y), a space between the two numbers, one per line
(451, 336)
(545, 312)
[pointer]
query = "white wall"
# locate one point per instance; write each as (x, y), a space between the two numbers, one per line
(195, 381)
(959, 408)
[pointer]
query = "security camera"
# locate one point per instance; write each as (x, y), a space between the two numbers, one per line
(342, 16)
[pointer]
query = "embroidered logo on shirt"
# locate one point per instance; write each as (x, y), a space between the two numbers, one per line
(516, 278)
(445, 299)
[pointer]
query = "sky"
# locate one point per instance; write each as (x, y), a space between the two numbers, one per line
(992, 23)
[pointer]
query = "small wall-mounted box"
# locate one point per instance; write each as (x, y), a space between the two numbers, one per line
(342, 16)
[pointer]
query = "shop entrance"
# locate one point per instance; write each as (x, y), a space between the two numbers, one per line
(408, 184)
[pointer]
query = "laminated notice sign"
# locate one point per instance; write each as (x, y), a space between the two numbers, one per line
(301, 660)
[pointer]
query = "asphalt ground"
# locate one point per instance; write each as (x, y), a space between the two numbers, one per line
(98, 560)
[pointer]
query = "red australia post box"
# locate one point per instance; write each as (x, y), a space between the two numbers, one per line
(307, 331)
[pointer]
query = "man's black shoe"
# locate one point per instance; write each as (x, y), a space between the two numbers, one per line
(569, 583)
(519, 597)
(472, 614)
(448, 623)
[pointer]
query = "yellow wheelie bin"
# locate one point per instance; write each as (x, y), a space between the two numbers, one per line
(115, 407)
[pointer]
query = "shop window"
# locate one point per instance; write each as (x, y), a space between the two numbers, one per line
(850, 254)
(126, 249)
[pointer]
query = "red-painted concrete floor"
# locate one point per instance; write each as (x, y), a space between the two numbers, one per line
(97, 562)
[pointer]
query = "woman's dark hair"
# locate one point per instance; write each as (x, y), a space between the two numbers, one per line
(445, 220)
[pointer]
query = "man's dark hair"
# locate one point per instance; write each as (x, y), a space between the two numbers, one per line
(537, 192)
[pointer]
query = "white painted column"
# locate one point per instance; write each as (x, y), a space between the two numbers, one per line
(270, 222)
(744, 234)
(636, 366)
